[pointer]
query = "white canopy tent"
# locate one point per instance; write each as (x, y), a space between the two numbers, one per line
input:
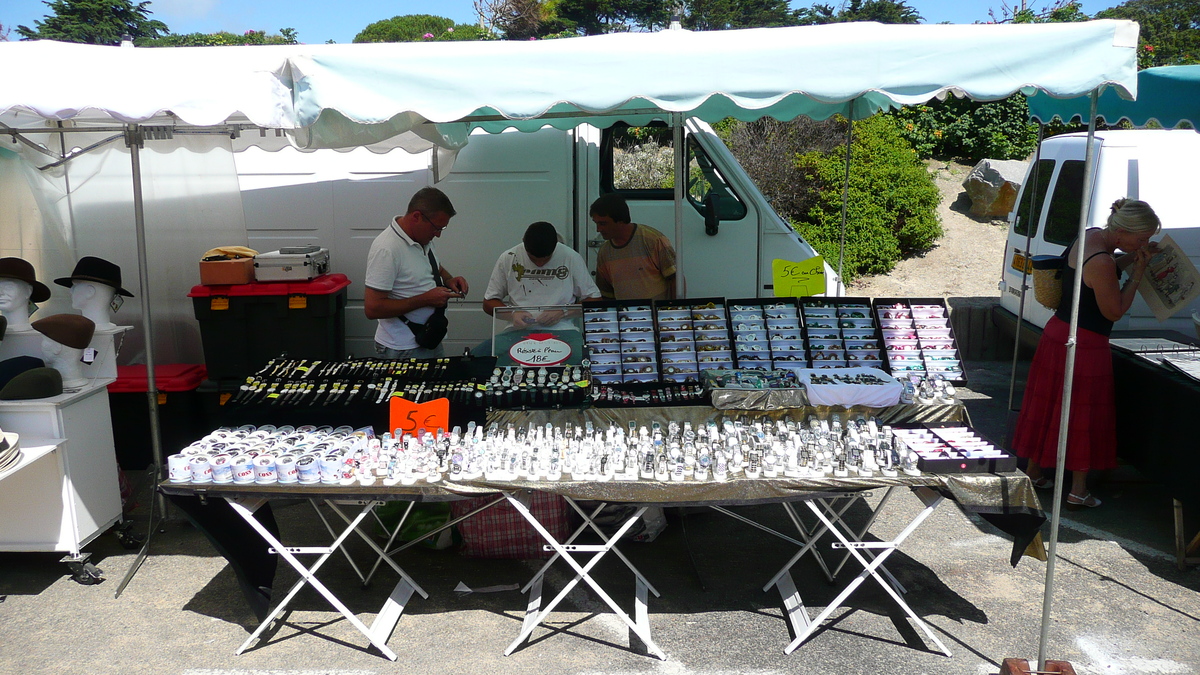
(430, 95)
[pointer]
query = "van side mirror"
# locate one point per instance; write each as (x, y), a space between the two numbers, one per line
(711, 220)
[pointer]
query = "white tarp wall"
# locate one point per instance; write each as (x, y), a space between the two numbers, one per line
(192, 203)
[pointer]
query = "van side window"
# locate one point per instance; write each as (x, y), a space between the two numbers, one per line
(706, 186)
(1026, 216)
(1062, 223)
(638, 161)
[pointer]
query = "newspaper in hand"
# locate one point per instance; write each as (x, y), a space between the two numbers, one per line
(1171, 281)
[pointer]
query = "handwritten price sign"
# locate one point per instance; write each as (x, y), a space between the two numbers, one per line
(407, 416)
(792, 279)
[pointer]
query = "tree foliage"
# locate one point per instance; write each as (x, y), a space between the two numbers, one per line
(96, 22)
(969, 130)
(594, 17)
(1170, 34)
(882, 11)
(419, 28)
(524, 19)
(726, 14)
(891, 204)
(286, 36)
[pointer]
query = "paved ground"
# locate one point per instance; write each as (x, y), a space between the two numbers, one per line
(1121, 606)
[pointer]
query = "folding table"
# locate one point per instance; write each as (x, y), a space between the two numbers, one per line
(246, 499)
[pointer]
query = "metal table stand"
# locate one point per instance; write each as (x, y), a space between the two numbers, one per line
(534, 615)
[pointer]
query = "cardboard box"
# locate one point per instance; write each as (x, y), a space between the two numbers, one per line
(226, 272)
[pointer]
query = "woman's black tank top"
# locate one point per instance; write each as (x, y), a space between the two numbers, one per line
(1090, 316)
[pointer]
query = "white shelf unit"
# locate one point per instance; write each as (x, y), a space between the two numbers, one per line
(64, 492)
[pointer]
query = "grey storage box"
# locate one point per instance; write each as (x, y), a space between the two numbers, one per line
(297, 263)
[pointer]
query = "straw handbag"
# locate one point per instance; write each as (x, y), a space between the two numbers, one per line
(1047, 279)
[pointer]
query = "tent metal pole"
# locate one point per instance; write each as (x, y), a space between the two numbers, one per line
(680, 178)
(845, 196)
(134, 138)
(1069, 374)
(1029, 229)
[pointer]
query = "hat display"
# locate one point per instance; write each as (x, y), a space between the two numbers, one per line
(99, 270)
(10, 368)
(21, 270)
(36, 383)
(71, 330)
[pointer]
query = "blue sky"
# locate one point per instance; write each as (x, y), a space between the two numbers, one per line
(321, 20)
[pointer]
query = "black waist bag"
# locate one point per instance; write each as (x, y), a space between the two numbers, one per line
(431, 333)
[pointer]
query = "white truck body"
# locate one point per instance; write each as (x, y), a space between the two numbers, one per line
(1157, 166)
(499, 184)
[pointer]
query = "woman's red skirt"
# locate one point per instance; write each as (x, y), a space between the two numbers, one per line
(1092, 434)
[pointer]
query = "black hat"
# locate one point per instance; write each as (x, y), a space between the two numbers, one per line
(10, 368)
(36, 383)
(21, 270)
(71, 330)
(99, 270)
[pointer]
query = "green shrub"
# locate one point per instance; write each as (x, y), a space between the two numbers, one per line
(891, 207)
(969, 130)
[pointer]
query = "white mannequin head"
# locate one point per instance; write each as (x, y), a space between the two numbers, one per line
(14, 303)
(93, 301)
(66, 360)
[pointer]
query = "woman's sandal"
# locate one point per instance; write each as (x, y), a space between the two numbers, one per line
(1075, 502)
(1043, 483)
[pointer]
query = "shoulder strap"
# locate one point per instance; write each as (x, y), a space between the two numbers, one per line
(1085, 262)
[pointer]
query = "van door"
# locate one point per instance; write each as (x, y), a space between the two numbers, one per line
(1051, 209)
(727, 220)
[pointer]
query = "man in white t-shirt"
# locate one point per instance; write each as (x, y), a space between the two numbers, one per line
(400, 278)
(538, 272)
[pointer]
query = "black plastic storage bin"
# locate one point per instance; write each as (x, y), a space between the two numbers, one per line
(180, 416)
(244, 326)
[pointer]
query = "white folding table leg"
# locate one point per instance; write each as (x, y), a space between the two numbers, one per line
(375, 547)
(932, 500)
(862, 532)
(329, 528)
(809, 545)
(569, 540)
(308, 575)
(391, 537)
(616, 551)
(581, 572)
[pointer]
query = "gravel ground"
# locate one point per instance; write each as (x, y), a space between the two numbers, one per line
(965, 262)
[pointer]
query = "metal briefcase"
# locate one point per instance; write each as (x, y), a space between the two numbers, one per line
(296, 263)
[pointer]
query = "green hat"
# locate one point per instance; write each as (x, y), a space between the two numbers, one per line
(35, 383)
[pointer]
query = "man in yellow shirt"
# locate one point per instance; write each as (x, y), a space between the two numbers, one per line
(635, 261)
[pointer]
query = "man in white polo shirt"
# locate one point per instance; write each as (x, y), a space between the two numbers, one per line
(400, 283)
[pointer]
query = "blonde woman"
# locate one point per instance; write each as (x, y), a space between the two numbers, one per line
(1091, 438)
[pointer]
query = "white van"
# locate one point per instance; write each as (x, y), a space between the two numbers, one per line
(500, 183)
(1160, 167)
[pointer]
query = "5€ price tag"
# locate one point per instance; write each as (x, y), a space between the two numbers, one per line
(792, 279)
(407, 416)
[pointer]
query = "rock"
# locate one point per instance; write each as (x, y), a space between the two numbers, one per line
(993, 185)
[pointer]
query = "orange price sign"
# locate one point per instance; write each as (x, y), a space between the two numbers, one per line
(407, 416)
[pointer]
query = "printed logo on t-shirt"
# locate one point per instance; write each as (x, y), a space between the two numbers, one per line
(542, 274)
